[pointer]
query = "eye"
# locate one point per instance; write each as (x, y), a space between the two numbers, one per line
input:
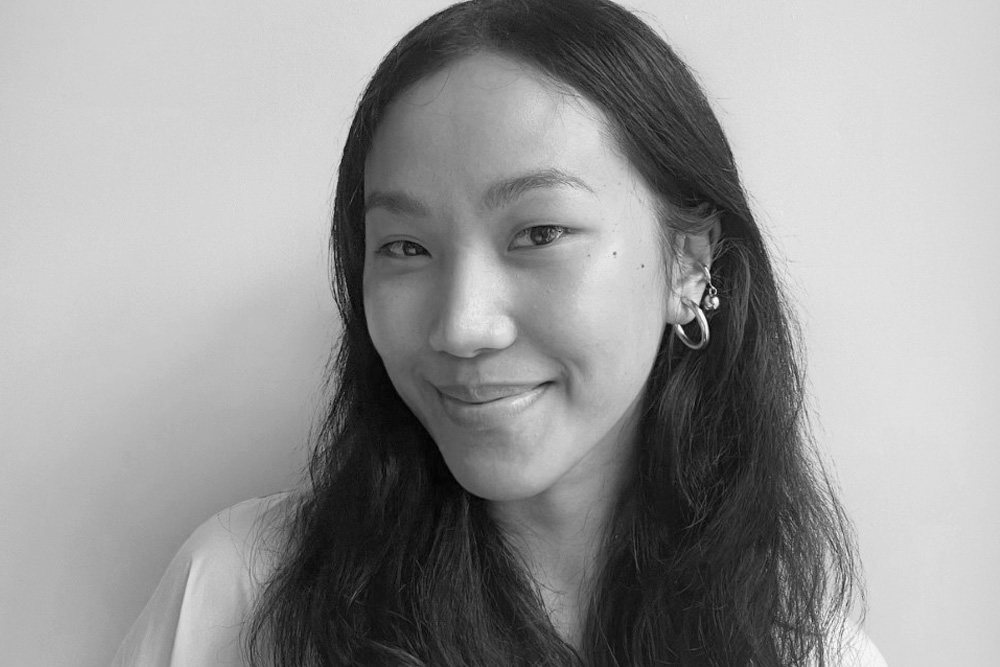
(538, 235)
(399, 249)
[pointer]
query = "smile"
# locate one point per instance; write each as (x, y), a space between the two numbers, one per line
(487, 406)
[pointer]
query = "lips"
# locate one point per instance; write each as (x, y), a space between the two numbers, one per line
(483, 393)
(485, 407)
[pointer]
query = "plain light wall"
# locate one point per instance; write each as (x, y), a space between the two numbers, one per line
(165, 180)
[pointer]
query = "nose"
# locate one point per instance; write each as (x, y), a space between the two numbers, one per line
(472, 315)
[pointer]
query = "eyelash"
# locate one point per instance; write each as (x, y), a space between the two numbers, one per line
(555, 232)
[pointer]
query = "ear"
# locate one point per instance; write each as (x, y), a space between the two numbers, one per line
(688, 280)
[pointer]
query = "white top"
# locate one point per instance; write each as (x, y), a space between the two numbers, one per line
(195, 616)
(196, 613)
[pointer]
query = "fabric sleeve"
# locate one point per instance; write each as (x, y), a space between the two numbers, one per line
(857, 650)
(196, 614)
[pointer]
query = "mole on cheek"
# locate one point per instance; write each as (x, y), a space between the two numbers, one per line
(614, 254)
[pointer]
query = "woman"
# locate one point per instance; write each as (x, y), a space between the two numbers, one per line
(567, 421)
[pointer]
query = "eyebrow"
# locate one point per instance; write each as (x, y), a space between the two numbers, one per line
(396, 202)
(501, 193)
(506, 191)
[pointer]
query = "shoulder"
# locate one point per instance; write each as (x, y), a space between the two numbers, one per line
(853, 648)
(196, 613)
(240, 542)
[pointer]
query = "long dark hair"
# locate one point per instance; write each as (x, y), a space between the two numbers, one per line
(729, 546)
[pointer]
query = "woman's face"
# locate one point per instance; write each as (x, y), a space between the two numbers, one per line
(515, 283)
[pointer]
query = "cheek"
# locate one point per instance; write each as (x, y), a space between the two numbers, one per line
(606, 317)
(390, 313)
(623, 292)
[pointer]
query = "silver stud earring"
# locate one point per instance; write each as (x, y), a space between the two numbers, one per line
(710, 301)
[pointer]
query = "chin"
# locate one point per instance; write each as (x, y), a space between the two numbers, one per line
(498, 482)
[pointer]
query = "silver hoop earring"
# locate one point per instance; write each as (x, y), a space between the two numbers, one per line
(702, 324)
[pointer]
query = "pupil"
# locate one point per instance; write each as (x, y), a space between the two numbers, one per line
(544, 235)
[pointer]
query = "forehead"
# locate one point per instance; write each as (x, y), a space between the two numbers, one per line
(484, 117)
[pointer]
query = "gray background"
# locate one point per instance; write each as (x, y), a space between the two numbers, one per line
(165, 176)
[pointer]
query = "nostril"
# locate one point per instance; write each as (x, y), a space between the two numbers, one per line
(469, 331)
(463, 340)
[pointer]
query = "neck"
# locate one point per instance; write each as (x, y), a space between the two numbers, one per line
(559, 535)
(560, 532)
(549, 529)
(561, 550)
